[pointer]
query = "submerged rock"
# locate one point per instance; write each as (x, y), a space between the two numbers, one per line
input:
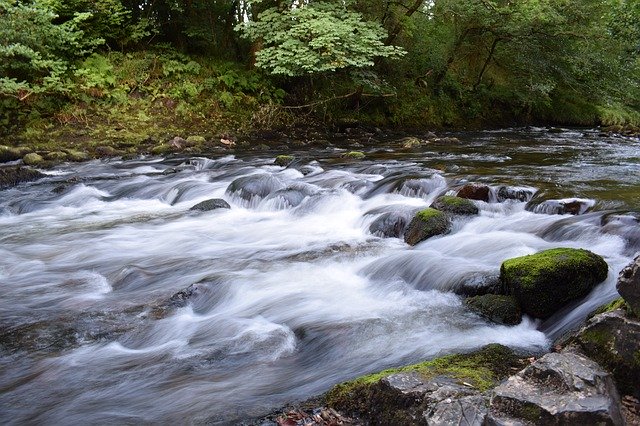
(544, 282)
(212, 204)
(497, 308)
(558, 389)
(628, 285)
(515, 193)
(426, 224)
(474, 191)
(9, 153)
(252, 187)
(573, 206)
(455, 205)
(446, 390)
(390, 224)
(12, 176)
(613, 340)
(283, 160)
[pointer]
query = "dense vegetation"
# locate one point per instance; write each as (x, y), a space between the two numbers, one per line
(136, 69)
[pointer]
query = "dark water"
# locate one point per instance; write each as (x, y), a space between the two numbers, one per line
(288, 292)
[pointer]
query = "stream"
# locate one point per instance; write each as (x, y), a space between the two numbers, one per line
(119, 304)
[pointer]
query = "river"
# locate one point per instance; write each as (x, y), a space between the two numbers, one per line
(119, 304)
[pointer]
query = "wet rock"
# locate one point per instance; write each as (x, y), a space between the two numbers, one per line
(497, 308)
(212, 204)
(478, 285)
(283, 160)
(558, 389)
(447, 390)
(628, 284)
(390, 224)
(447, 140)
(625, 226)
(455, 205)
(195, 140)
(426, 224)
(474, 191)
(162, 149)
(106, 151)
(12, 176)
(409, 142)
(56, 156)
(546, 281)
(354, 155)
(613, 340)
(76, 156)
(291, 196)
(515, 193)
(255, 187)
(32, 159)
(9, 153)
(574, 206)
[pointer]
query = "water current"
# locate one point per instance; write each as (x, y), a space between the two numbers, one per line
(119, 304)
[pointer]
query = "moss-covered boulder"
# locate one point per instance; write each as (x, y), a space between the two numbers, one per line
(283, 160)
(431, 392)
(426, 224)
(497, 308)
(628, 285)
(455, 205)
(77, 156)
(56, 156)
(354, 155)
(195, 140)
(32, 159)
(546, 281)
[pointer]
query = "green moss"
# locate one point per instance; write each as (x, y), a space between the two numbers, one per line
(455, 205)
(429, 213)
(498, 308)
(283, 160)
(482, 369)
(354, 155)
(618, 303)
(32, 159)
(531, 413)
(196, 140)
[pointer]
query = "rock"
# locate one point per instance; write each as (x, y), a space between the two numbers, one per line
(32, 159)
(474, 191)
(410, 142)
(76, 156)
(478, 284)
(353, 155)
(426, 224)
(455, 205)
(558, 389)
(56, 156)
(255, 187)
(212, 204)
(161, 149)
(613, 340)
(497, 308)
(12, 176)
(106, 151)
(179, 143)
(515, 193)
(446, 390)
(291, 196)
(447, 140)
(628, 285)
(544, 282)
(283, 160)
(574, 206)
(390, 224)
(195, 140)
(9, 153)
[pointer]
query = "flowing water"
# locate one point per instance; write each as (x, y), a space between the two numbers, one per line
(119, 304)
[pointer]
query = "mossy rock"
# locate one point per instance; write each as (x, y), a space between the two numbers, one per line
(426, 224)
(370, 397)
(77, 156)
(9, 153)
(497, 308)
(12, 176)
(161, 149)
(283, 160)
(354, 155)
(33, 159)
(106, 151)
(196, 140)
(546, 281)
(56, 156)
(455, 205)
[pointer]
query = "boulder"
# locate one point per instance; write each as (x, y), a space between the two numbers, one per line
(56, 156)
(76, 156)
(515, 193)
(195, 140)
(9, 153)
(255, 187)
(573, 206)
(628, 285)
(455, 205)
(283, 160)
(426, 224)
(212, 204)
(546, 281)
(558, 389)
(446, 390)
(613, 340)
(474, 191)
(12, 176)
(497, 308)
(32, 159)
(410, 142)
(390, 224)
(353, 155)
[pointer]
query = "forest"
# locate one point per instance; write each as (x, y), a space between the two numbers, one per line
(151, 68)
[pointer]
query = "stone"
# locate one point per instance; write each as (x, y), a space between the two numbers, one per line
(9, 153)
(56, 156)
(390, 224)
(474, 191)
(76, 156)
(558, 389)
(613, 340)
(628, 285)
(106, 151)
(354, 155)
(195, 140)
(254, 187)
(455, 205)
(283, 160)
(32, 159)
(212, 204)
(515, 193)
(573, 206)
(12, 176)
(546, 281)
(410, 142)
(497, 308)
(426, 223)
(179, 143)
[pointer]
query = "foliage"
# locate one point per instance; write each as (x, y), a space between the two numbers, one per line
(317, 37)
